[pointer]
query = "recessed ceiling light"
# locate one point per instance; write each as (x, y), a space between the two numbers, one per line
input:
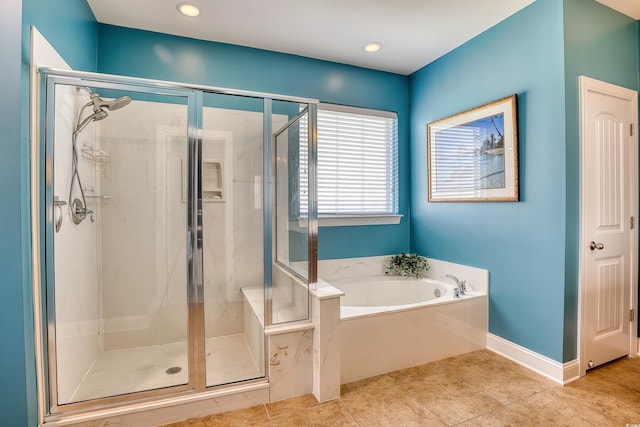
(372, 47)
(187, 9)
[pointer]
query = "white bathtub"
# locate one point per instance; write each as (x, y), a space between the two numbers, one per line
(389, 323)
(365, 296)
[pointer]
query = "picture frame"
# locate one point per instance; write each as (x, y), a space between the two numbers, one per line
(473, 156)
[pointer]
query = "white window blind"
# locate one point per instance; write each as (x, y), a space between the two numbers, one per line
(357, 162)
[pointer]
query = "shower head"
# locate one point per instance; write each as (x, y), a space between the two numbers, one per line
(99, 106)
(112, 105)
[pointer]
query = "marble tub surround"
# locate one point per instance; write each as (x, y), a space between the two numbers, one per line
(475, 389)
(330, 269)
(385, 342)
(477, 279)
(386, 339)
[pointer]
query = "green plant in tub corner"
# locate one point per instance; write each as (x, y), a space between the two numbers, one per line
(407, 265)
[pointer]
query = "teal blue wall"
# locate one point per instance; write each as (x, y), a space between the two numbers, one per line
(70, 27)
(603, 44)
(529, 247)
(521, 244)
(164, 57)
(16, 386)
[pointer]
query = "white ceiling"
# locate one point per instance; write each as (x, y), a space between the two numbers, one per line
(413, 32)
(628, 7)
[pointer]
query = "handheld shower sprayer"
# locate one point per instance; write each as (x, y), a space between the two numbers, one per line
(100, 106)
(98, 114)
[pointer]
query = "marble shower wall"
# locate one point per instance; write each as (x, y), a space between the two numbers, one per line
(233, 255)
(75, 247)
(144, 221)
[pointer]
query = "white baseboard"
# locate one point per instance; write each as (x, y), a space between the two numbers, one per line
(562, 373)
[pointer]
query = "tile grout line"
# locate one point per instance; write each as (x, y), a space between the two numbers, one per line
(415, 398)
(355, 420)
(507, 405)
(266, 408)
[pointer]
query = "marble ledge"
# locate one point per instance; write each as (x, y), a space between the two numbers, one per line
(324, 290)
(289, 327)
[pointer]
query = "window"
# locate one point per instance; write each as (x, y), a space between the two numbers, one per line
(357, 164)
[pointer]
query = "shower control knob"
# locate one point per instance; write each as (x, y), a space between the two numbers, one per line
(78, 211)
(593, 246)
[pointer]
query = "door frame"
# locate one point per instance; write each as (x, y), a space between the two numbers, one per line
(587, 85)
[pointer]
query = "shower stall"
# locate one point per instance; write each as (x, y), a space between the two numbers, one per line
(177, 224)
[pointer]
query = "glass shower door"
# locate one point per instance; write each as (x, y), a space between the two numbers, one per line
(117, 292)
(232, 226)
(291, 273)
(165, 257)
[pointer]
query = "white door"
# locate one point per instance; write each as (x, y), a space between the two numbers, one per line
(608, 211)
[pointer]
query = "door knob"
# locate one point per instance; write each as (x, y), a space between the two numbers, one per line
(593, 246)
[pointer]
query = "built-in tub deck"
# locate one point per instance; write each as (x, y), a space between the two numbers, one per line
(415, 327)
(387, 330)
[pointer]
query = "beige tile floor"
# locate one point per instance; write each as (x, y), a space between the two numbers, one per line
(475, 389)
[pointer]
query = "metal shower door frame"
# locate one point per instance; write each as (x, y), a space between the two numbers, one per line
(195, 286)
(311, 111)
(44, 284)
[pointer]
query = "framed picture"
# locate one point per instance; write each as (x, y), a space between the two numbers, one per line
(473, 156)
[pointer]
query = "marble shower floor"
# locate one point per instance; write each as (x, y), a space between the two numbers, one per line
(475, 389)
(136, 369)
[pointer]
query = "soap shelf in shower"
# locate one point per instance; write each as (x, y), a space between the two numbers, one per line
(95, 154)
(213, 181)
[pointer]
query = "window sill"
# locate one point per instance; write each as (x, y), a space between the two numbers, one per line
(350, 220)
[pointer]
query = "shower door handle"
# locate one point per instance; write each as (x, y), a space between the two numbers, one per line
(58, 212)
(593, 246)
